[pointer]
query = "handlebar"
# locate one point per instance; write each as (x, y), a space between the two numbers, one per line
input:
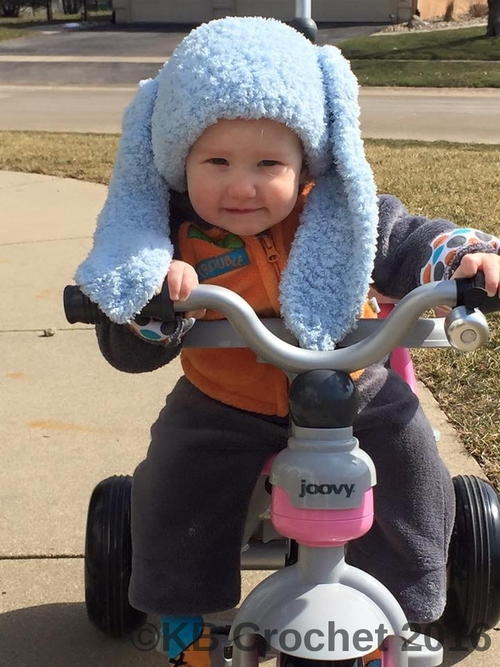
(280, 348)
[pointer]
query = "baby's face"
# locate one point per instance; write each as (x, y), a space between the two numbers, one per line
(244, 175)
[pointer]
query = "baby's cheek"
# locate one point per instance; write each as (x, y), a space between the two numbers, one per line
(286, 196)
(203, 202)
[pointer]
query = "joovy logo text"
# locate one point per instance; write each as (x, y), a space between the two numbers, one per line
(325, 489)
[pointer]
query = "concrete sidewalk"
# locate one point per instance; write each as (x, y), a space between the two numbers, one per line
(70, 420)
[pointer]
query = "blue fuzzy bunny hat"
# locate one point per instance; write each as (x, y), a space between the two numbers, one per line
(243, 68)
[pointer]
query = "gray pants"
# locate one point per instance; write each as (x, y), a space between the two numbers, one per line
(190, 498)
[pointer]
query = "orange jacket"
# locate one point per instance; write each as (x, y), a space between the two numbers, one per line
(250, 266)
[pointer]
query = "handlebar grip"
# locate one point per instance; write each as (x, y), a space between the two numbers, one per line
(471, 293)
(79, 308)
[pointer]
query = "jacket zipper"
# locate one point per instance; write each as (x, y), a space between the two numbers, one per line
(271, 252)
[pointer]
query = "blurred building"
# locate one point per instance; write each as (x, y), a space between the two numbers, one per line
(348, 11)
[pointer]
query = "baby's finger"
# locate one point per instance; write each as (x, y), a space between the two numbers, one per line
(442, 311)
(185, 288)
(491, 270)
(173, 287)
(488, 263)
(468, 267)
(174, 281)
(188, 283)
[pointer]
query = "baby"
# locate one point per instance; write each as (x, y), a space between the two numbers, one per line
(241, 165)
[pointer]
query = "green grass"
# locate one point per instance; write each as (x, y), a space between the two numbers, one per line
(39, 18)
(457, 44)
(11, 33)
(88, 157)
(11, 28)
(436, 179)
(376, 61)
(427, 74)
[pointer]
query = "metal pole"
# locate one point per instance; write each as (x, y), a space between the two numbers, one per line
(303, 9)
(303, 21)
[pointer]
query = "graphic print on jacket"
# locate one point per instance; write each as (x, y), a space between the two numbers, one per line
(212, 267)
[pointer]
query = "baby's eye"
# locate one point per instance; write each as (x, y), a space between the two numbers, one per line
(217, 160)
(269, 163)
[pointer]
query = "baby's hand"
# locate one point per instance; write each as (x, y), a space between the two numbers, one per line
(181, 280)
(488, 263)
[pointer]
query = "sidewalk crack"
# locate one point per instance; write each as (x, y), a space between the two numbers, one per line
(87, 328)
(40, 556)
(65, 238)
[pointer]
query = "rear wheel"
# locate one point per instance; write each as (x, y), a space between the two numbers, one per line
(474, 558)
(108, 558)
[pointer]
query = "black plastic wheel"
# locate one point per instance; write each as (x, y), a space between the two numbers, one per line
(474, 558)
(108, 558)
(286, 660)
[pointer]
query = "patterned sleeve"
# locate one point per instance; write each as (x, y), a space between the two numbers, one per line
(157, 332)
(412, 250)
(445, 252)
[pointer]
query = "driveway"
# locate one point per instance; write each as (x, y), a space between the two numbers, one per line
(139, 39)
(110, 55)
(96, 41)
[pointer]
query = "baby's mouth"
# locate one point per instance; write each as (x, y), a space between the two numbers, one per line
(241, 211)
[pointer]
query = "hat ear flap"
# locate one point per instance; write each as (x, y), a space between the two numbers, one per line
(132, 249)
(326, 280)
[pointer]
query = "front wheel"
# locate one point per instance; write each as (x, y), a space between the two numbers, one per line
(108, 558)
(372, 660)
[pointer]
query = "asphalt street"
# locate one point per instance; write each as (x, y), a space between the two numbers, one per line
(424, 114)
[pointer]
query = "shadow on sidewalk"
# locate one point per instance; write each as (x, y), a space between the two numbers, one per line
(60, 634)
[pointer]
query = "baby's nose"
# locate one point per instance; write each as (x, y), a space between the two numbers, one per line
(242, 187)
